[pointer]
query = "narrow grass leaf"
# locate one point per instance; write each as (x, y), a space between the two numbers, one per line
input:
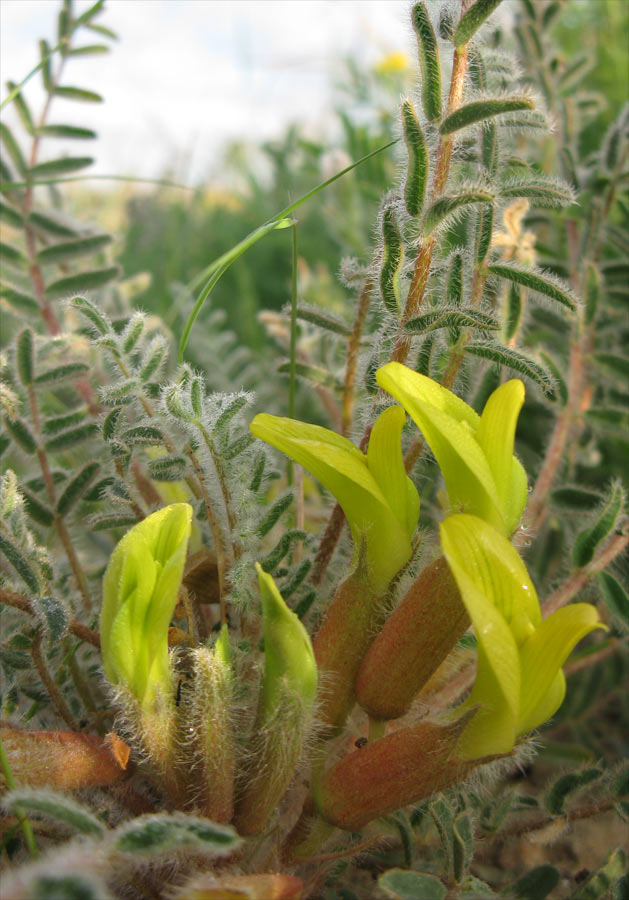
(219, 266)
(480, 110)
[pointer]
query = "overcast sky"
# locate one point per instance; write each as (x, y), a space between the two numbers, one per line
(187, 75)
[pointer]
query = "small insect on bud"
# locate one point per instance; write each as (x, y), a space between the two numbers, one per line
(285, 708)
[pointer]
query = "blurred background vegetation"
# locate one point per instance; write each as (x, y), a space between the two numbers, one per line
(173, 234)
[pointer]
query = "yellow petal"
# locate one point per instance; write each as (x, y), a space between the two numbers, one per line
(496, 434)
(543, 655)
(449, 425)
(386, 464)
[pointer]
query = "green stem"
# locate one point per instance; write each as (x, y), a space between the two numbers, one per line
(25, 825)
(293, 329)
(292, 380)
(377, 728)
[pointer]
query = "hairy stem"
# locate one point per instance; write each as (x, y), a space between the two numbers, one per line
(353, 344)
(19, 601)
(423, 260)
(569, 588)
(53, 691)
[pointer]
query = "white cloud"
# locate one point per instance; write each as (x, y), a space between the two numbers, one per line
(187, 75)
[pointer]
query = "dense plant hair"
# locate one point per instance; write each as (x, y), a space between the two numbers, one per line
(500, 250)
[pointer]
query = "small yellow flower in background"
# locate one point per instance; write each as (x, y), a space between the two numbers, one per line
(519, 683)
(517, 245)
(392, 62)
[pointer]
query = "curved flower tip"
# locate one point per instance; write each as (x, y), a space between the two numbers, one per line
(475, 452)
(379, 500)
(140, 589)
(288, 654)
(519, 683)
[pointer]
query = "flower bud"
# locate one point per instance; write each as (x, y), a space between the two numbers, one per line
(240, 887)
(287, 696)
(209, 721)
(416, 639)
(341, 643)
(63, 760)
(140, 590)
(387, 774)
